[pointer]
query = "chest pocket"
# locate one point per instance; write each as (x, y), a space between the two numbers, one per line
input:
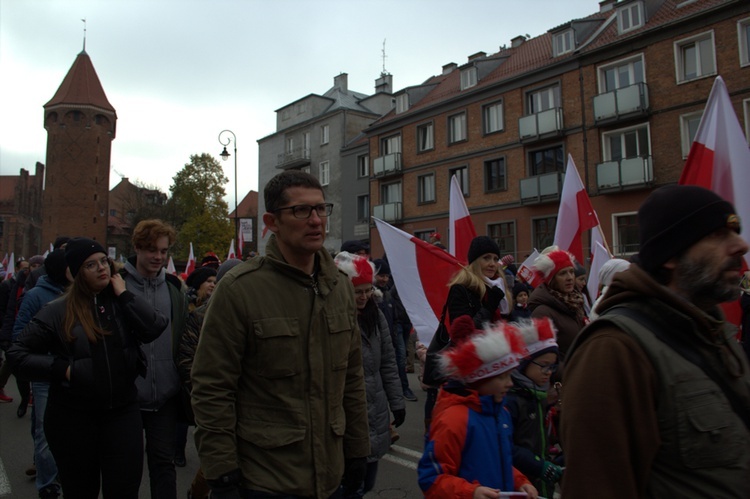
(708, 432)
(340, 331)
(277, 347)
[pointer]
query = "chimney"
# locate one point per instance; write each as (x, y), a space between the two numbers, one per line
(341, 82)
(448, 68)
(606, 5)
(384, 84)
(478, 55)
(517, 41)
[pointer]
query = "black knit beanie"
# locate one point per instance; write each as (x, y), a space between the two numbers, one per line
(78, 250)
(675, 217)
(481, 245)
(199, 276)
(55, 266)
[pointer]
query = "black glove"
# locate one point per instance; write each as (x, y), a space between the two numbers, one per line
(354, 474)
(492, 298)
(399, 416)
(226, 486)
(551, 472)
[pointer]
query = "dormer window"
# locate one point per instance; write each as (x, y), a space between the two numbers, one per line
(468, 77)
(402, 103)
(563, 42)
(630, 17)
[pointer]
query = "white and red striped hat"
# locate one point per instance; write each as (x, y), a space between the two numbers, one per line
(539, 335)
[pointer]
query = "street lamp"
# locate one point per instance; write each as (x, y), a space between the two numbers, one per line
(225, 156)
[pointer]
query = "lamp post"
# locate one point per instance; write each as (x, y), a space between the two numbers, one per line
(225, 156)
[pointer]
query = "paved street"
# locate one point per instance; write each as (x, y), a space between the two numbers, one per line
(396, 474)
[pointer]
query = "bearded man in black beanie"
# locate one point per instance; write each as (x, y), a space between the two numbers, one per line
(657, 389)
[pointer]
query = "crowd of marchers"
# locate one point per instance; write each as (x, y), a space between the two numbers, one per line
(290, 369)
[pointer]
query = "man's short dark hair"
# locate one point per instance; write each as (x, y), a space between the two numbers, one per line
(274, 194)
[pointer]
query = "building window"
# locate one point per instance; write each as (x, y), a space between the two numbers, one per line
(626, 233)
(493, 117)
(363, 208)
(324, 134)
(462, 174)
(424, 235)
(426, 188)
(325, 173)
(306, 144)
(494, 175)
(425, 137)
(390, 145)
(363, 166)
(402, 103)
(743, 31)
(390, 193)
(285, 114)
(456, 128)
(301, 108)
(621, 74)
(546, 161)
(504, 234)
(626, 143)
(290, 145)
(543, 99)
(563, 43)
(746, 106)
(468, 78)
(543, 232)
(695, 57)
(112, 213)
(688, 128)
(2, 228)
(630, 17)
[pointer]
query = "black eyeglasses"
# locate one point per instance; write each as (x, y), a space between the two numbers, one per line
(548, 368)
(304, 211)
(94, 264)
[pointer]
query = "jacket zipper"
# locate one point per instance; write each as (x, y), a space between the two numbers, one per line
(106, 353)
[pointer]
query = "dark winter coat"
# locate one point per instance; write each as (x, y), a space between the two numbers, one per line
(543, 304)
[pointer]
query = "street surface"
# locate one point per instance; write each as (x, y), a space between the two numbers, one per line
(397, 476)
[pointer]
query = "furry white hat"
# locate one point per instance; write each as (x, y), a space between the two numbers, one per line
(549, 263)
(539, 335)
(481, 354)
(359, 269)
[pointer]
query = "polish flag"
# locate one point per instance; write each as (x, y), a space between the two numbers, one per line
(719, 160)
(601, 256)
(231, 250)
(576, 214)
(5, 261)
(170, 266)
(241, 243)
(461, 228)
(421, 272)
(526, 272)
(10, 266)
(191, 262)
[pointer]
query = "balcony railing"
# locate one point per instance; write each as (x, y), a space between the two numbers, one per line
(295, 158)
(621, 103)
(387, 165)
(541, 124)
(541, 187)
(389, 212)
(625, 172)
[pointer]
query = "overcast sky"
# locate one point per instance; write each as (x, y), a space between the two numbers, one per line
(178, 72)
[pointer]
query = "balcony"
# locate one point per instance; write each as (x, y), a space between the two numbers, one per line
(296, 158)
(390, 164)
(636, 171)
(541, 125)
(389, 212)
(622, 103)
(541, 188)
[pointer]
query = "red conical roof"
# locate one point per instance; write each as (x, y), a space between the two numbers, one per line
(81, 86)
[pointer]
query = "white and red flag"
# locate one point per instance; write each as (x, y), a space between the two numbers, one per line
(461, 228)
(421, 272)
(526, 271)
(190, 267)
(576, 214)
(601, 256)
(170, 266)
(231, 253)
(10, 266)
(719, 160)
(5, 261)
(240, 243)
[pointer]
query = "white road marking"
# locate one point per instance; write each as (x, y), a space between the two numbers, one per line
(407, 451)
(4, 482)
(400, 461)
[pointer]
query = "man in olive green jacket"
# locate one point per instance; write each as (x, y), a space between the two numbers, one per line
(278, 387)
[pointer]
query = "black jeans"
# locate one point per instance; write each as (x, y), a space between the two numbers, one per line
(89, 443)
(160, 427)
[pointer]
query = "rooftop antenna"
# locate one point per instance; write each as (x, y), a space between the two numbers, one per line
(384, 56)
(84, 34)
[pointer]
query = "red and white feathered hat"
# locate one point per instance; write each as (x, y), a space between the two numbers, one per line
(549, 264)
(481, 354)
(359, 269)
(539, 335)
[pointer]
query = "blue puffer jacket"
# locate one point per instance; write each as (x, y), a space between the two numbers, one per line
(34, 299)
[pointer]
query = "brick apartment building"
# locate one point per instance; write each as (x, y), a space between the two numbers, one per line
(621, 91)
(21, 213)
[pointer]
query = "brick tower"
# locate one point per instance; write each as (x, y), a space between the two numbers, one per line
(80, 124)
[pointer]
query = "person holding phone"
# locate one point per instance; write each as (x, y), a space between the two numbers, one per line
(87, 345)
